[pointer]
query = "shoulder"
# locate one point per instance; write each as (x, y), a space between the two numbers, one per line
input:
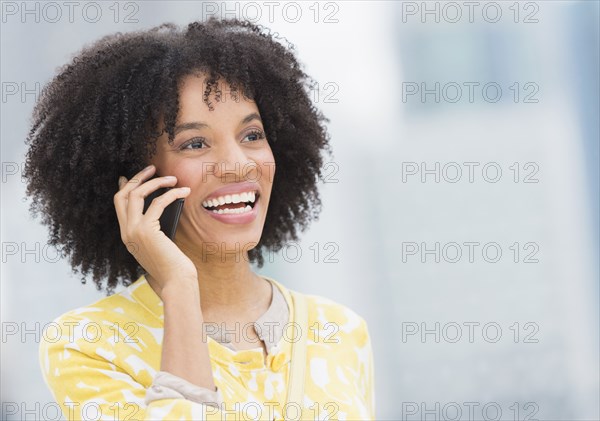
(135, 303)
(325, 310)
(336, 320)
(104, 323)
(102, 311)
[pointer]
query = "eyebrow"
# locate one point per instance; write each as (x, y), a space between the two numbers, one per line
(199, 125)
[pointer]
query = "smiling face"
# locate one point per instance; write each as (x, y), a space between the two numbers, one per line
(218, 154)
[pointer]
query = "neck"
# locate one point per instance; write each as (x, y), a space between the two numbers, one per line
(228, 286)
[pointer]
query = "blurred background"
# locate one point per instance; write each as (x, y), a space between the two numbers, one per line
(460, 211)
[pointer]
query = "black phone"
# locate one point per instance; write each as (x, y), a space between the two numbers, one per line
(170, 216)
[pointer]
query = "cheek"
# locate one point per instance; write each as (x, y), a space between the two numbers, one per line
(189, 173)
(266, 162)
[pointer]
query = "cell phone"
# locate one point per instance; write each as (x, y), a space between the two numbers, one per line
(170, 216)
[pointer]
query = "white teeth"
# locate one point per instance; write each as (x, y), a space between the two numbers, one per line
(248, 208)
(230, 198)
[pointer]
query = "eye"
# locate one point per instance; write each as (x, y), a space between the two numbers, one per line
(256, 135)
(193, 143)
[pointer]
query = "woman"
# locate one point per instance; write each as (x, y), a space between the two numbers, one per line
(219, 113)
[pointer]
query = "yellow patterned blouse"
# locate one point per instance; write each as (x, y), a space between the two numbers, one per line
(99, 360)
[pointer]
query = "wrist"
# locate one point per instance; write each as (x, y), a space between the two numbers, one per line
(182, 290)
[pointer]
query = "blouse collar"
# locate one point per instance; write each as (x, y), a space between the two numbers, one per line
(274, 331)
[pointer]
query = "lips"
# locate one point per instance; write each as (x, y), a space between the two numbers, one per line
(234, 188)
(233, 199)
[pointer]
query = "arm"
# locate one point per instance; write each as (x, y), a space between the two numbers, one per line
(185, 352)
(88, 382)
(185, 362)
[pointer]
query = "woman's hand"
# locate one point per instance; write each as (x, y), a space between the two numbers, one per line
(141, 233)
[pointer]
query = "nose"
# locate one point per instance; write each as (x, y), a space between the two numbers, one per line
(234, 163)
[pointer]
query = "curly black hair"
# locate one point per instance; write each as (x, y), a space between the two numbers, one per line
(99, 118)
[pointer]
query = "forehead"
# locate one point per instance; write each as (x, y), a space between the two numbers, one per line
(226, 103)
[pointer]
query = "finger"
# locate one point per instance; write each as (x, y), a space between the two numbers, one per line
(125, 187)
(159, 204)
(136, 180)
(135, 203)
(120, 203)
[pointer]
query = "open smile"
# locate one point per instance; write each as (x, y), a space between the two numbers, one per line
(232, 204)
(233, 209)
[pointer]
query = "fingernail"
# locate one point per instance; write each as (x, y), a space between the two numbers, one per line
(148, 167)
(122, 180)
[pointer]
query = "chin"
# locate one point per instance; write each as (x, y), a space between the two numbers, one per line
(231, 251)
(228, 244)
